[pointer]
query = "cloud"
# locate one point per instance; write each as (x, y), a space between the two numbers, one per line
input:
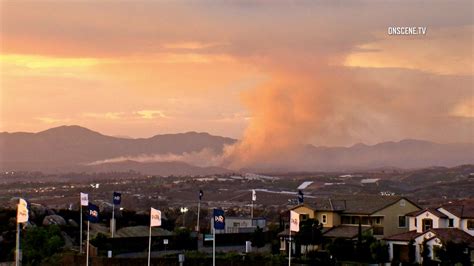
(464, 109)
(436, 52)
(52, 120)
(305, 72)
(191, 45)
(151, 114)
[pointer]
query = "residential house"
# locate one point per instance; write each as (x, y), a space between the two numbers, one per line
(434, 227)
(341, 216)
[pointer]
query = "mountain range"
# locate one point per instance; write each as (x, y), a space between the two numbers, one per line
(75, 148)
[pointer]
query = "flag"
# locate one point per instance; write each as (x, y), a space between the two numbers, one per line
(84, 199)
(201, 194)
(22, 211)
(300, 197)
(254, 195)
(155, 217)
(219, 219)
(93, 213)
(117, 198)
(294, 221)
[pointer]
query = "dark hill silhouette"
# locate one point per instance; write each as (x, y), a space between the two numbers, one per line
(75, 144)
(73, 148)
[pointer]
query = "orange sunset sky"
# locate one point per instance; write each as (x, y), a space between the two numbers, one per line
(321, 72)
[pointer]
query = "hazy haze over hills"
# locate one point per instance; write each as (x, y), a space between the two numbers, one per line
(74, 148)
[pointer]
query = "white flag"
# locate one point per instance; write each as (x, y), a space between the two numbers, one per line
(294, 221)
(254, 195)
(84, 199)
(155, 217)
(22, 211)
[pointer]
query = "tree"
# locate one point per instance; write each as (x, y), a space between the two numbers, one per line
(341, 249)
(310, 232)
(453, 253)
(258, 238)
(40, 243)
(379, 251)
(183, 238)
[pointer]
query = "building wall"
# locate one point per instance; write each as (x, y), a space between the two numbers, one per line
(333, 219)
(411, 223)
(391, 213)
(463, 226)
(457, 221)
(427, 215)
(305, 210)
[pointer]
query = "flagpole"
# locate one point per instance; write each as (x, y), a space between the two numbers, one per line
(149, 247)
(17, 253)
(214, 246)
(113, 220)
(199, 210)
(80, 232)
(289, 246)
(251, 212)
(87, 250)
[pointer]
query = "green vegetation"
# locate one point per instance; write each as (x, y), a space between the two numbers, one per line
(40, 244)
(453, 253)
(258, 238)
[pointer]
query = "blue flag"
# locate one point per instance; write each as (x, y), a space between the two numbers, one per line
(219, 219)
(300, 197)
(93, 213)
(117, 198)
(201, 194)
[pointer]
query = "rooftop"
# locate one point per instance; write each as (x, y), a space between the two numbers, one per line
(345, 231)
(354, 204)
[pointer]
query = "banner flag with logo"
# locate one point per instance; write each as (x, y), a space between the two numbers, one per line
(117, 198)
(93, 213)
(84, 199)
(219, 219)
(294, 221)
(155, 217)
(22, 211)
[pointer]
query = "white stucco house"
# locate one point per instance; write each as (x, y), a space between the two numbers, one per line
(434, 227)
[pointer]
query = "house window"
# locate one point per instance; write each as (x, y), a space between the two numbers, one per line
(402, 221)
(470, 224)
(416, 222)
(236, 224)
(402, 203)
(451, 223)
(427, 224)
(355, 220)
(324, 218)
(378, 220)
(345, 220)
(304, 217)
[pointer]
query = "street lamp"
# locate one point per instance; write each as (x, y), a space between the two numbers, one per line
(183, 211)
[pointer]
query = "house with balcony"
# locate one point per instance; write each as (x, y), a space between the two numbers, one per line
(341, 216)
(434, 228)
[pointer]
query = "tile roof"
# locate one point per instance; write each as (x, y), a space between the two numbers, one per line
(407, 236)
(435, 212)
(345, 231)
(454, 235)
(444, 234)
(285, 232)
(357, 204)
(462, 208)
